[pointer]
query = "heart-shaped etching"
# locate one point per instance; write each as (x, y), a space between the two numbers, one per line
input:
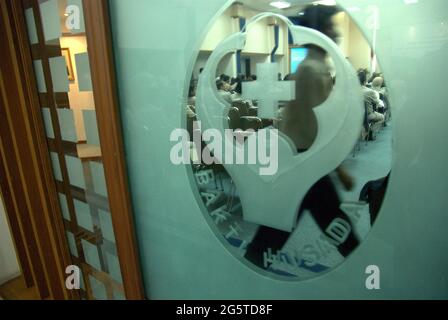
(272, 196)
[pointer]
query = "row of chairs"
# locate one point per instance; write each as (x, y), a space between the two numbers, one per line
(244, 116)
(369, 131)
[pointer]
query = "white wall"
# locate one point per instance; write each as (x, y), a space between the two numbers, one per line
(227, 65)
(9, 267)
(359, 48)
(353, 43)
(258, 38)
(260, 42)
(200, 63)
(282, 53)
(283, 62)
(224, 26)
(258, 59)
(259, 45)
(343, 23)
(78, 100)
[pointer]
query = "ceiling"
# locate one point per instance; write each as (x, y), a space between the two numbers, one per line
(264, 5)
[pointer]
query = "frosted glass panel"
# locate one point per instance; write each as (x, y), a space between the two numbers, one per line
(75, 172)
(72, 244)
(64, 207)
(83, 215)
(82, 284)
(67, 125)
(98, 289)
(56, 166)
(106, 225)
(62, 62)
(40, 78)
(78, 5)
(114, 267)
(99, 181)
(50, 20)
(174, 220)
(118, 296)
(91, 254)
(31, 24)
(59, 75)
(46, 113)
(83, 70)
(91, 127)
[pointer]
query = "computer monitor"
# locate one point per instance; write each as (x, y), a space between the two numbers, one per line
(297, 54)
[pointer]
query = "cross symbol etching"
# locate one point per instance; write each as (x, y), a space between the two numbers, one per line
(268, 91)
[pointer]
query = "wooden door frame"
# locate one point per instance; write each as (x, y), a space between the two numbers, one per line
(27, 181)
(99, 41)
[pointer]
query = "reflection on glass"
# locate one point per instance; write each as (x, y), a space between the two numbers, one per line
(61, 63)
(339, 210)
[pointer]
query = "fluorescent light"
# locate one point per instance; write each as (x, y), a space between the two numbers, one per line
(326, 2)
(354, 9)
(410, 1)
(281, 4)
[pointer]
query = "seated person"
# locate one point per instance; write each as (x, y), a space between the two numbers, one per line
(372, 77)
(378, 86)
(223, 90)
(225, 78)
(237, 94)
(236, 89)
(371, 99)
(192, 96)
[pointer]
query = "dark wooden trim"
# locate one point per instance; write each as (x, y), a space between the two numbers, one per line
(14, 223)
(11, 183)
(27, 180)
(44, 52)
(27, 161)
(99, 42)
